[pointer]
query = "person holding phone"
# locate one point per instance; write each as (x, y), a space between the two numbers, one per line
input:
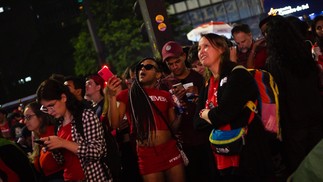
(148, 109)
(195, 142)
(42, 125)
(82, 149)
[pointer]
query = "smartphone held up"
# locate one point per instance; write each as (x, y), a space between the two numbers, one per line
(105, 73)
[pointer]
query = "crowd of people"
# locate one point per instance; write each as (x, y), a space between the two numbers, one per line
(161, 113)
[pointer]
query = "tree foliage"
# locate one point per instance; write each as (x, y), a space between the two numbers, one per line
(119, 32)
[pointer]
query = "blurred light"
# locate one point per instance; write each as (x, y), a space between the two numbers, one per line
(1, 10)
(21, 81)
(28, 79)
(312, 15)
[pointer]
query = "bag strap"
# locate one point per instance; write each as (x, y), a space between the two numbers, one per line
(250, 104)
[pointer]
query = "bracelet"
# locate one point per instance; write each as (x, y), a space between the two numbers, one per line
(200, 114)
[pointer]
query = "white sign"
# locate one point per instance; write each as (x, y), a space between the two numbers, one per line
(288, 9)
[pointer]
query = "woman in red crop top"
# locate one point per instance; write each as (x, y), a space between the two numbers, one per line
(158, 156)
(42, 125)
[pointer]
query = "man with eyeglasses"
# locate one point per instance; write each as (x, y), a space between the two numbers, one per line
(195, 143)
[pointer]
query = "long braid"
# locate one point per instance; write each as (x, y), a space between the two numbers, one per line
(142, 113)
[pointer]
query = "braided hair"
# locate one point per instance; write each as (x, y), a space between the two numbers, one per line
(142, 113)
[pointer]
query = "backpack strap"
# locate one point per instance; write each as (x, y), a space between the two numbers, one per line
(252, 106)
(239, 67)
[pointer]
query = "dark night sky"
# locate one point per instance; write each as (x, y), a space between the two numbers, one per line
(35, 41)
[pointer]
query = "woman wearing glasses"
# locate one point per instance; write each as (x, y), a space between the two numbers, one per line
(82, 150)
(148, 110)
(42, 125)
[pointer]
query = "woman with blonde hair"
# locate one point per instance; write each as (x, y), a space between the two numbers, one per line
(42, 125)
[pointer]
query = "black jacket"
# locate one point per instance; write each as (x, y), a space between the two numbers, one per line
(235, 89)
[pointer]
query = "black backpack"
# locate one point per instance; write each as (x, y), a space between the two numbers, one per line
(113, 157)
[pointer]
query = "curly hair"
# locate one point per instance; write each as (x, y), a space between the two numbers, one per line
(287, 49)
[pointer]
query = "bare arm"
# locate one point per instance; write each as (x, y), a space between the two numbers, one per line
(116, 110)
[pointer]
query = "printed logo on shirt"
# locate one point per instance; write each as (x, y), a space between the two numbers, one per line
(158, 98)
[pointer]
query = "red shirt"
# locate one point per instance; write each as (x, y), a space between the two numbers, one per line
(162, 100)
(259, 58)
(222, 161)
(72, 166)
(46, 161)
(5, 130)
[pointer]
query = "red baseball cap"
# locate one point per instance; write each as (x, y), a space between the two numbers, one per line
(97, 79)
(171, 49)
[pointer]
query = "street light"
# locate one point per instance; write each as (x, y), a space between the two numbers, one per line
(156, 23)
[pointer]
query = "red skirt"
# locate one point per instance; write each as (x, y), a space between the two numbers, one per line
(158, 158)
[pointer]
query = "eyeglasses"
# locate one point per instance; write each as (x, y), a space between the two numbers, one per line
(147, 66)
(29, 116)
(50, 107)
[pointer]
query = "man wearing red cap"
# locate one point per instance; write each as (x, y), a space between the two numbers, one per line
(195, 143)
